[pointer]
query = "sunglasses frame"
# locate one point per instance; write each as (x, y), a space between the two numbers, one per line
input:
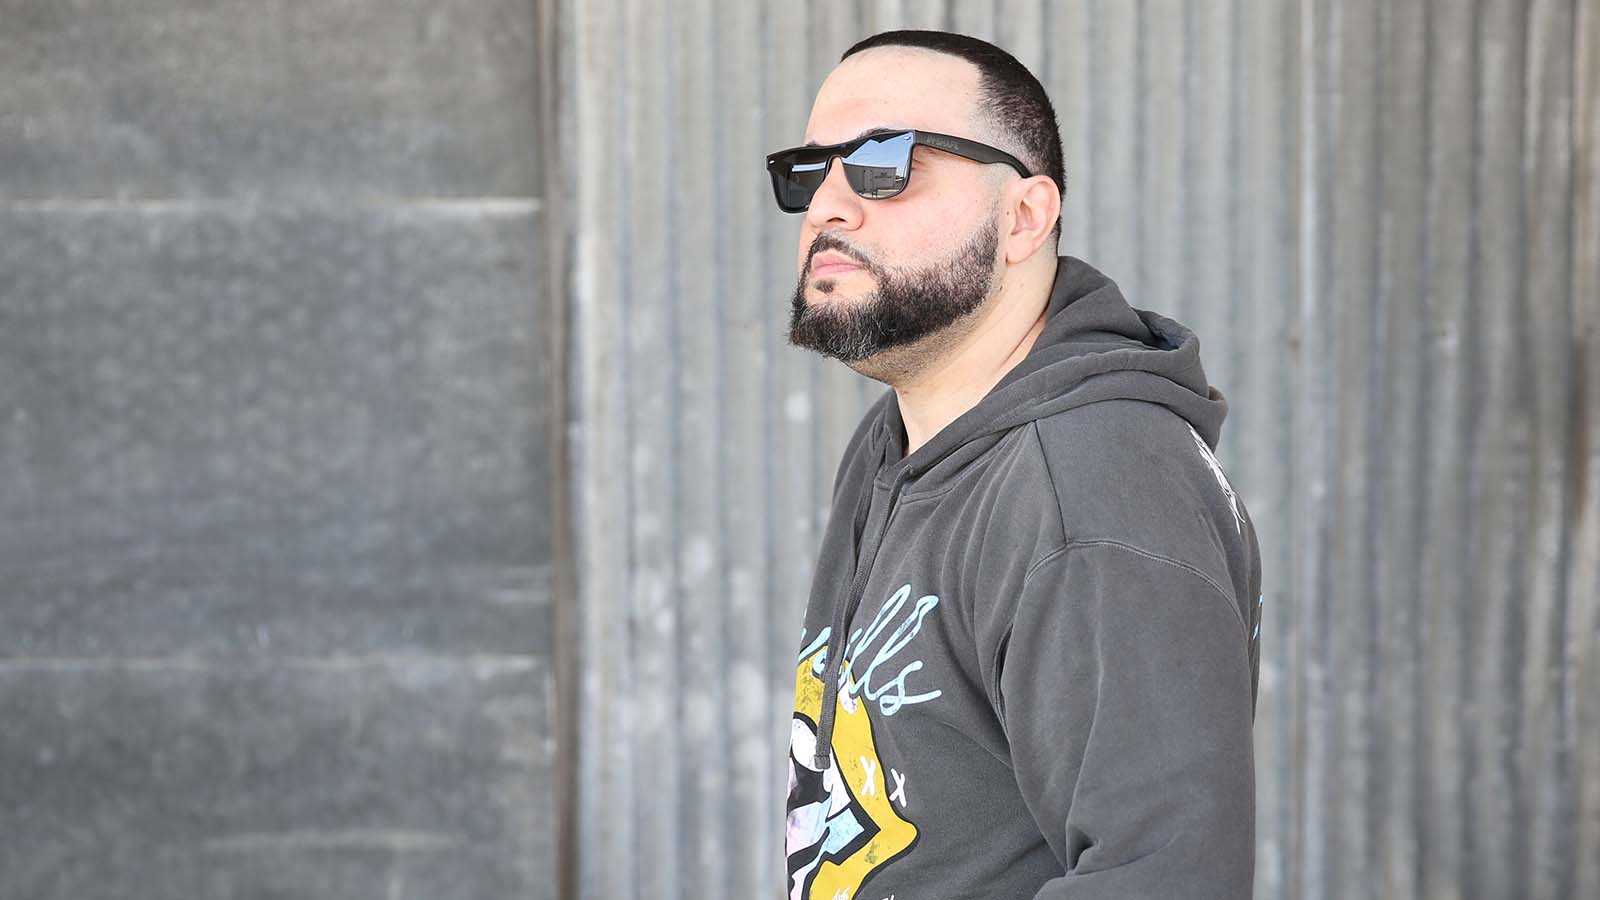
(960, 146)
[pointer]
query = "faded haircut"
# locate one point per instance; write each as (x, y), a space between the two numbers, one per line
(1011, 100)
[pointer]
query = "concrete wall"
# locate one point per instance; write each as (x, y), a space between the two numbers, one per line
(274, 604)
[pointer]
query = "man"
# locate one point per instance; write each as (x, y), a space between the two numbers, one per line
(1029, 661)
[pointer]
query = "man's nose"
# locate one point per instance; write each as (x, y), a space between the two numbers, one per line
(835, 202)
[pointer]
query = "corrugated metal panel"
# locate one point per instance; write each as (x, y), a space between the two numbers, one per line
(1383, 222)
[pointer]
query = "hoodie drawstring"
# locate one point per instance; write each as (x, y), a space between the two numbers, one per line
(841, 619)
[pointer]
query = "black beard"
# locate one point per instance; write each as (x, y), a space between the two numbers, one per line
(907, 306)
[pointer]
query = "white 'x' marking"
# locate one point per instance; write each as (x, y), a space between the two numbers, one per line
(870, 785)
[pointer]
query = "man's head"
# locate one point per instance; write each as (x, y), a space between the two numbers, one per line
(929, 257)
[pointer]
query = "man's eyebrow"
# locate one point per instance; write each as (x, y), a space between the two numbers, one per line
(873, 130)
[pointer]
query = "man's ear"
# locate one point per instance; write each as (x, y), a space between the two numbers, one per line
(1035, 204)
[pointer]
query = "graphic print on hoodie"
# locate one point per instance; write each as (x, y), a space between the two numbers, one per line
(1068, 551)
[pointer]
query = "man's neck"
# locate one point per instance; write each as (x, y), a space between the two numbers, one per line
(972, 366)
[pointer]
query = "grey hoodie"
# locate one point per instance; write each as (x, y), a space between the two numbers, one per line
(1053, 610)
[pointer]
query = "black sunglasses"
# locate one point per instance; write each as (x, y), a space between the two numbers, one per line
(877, 165)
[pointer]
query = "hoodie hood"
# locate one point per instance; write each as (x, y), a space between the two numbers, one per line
(1093, 347)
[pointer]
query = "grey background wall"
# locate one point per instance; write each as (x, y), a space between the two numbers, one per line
(1383, 221)
(274, 466)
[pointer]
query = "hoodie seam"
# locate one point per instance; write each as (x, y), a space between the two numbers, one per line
(1069, 541)
(1005, 637)
(1043, 560)
(1227, 598)
(1061, 514)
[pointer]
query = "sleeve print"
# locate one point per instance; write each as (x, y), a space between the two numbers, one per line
(1126, 692)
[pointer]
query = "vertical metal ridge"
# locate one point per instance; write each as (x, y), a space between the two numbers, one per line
(554, 70)
(1583, 644)
(1422, 795)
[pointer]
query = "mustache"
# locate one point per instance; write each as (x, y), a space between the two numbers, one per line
(826, 241)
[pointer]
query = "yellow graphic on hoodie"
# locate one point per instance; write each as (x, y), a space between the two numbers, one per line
(841, 824)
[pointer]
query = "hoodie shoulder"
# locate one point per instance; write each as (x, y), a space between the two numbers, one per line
(1137, 473)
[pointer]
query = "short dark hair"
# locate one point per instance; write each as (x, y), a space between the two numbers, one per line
(1010, 98)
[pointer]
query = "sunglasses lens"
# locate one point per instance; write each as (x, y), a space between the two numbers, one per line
(796, 176)
(876, 169)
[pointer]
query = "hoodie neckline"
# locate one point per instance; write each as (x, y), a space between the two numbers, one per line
(1090, 330)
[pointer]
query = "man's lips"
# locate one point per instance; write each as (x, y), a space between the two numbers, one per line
(832, 266)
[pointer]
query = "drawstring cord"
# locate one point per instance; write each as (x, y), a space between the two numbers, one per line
(841, 616)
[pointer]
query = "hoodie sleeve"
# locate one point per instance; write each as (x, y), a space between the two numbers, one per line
(1124, 688)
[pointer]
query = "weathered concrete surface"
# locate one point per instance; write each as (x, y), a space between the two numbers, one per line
(273, 453)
